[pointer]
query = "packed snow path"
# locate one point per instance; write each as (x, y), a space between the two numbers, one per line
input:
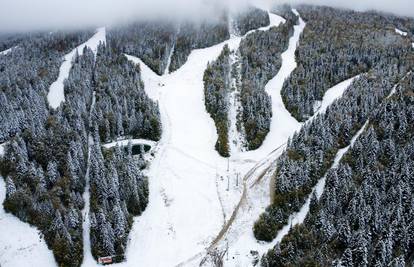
(56, 93)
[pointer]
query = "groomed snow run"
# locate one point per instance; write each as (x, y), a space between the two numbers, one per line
(184, 212)
(21, 244)
(400, 32)
(56, 93)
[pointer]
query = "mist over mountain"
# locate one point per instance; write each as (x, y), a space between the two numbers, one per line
(22, 15)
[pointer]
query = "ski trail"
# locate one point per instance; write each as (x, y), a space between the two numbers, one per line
(7, 51)
(56, 93)
(167, 67)
(86, 225)
(186, 226)
(21, 244)
(239, 236)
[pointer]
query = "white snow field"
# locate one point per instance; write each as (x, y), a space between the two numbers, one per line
(56, 93)
(21, 244)
(400, 32)
(5, 52)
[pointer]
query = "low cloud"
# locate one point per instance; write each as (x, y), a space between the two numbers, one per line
(29, 15)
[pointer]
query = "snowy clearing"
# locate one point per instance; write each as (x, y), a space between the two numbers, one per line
(56, 93)
(400, 32)
(21, 244)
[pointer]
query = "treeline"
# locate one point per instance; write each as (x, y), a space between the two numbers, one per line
(260, 61)
(311, 151)
(119, 191)
(365, 215)
(122, 107)
(336, 45)
(217, 83)
(45, 164)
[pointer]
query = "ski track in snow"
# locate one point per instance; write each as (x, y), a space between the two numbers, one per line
(56, 93)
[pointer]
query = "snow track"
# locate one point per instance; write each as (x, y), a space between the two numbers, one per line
(56, 93)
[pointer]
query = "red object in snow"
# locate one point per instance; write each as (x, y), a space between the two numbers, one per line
(105, 260)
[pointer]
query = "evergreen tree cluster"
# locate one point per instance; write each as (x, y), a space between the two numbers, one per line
(122, 107)
(217, 83)
(336, 45)
(365, 216)
(250, 19)
(26, 74)
(153, 42)
(260, 61)
(46, 160)
(193, 35)
(311, 151)
(150, 41)
(119, 191)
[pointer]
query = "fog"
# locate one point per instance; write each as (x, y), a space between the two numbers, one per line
(30, 15)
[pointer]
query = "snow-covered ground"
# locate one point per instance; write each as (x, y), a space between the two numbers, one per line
(133, 142)
(184, 212)
(400, 32)
(2, 146)
(56, 93)
(21, 244)
(5, 52)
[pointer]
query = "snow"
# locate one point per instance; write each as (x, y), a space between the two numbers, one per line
(133, 142)
(400, 32)
(332, 94)
(56, 93)
(184, 212)
(88, 259)
(258, 174)
(21, 244)
(5, 52)
(2, 148)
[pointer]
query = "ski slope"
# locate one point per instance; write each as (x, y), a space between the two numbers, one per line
(56, 93)
(184, 211)
(21, 244)
(5, 52)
